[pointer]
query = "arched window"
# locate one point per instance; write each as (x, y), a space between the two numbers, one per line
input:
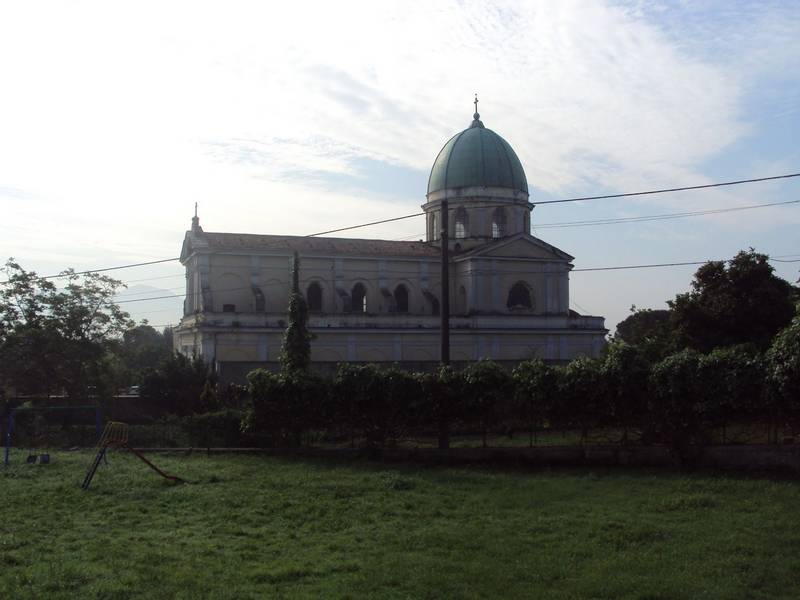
(462, 223)
(461, 301)
(519, 297)
(499, 223)
(401, 298)
(359, 298)
(314, 297)
(258, 295)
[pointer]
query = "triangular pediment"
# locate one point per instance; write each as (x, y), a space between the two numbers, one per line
(521, 246)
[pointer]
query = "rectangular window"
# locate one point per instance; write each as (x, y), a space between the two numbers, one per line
(228, 308)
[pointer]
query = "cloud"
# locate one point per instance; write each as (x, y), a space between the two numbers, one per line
(291, 117)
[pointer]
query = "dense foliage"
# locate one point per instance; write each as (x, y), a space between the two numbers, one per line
(682, 400)
(738, 303)
(179, 385)
(56, 340)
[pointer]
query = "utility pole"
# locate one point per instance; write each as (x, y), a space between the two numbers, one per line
(444, 330)
(445, 305)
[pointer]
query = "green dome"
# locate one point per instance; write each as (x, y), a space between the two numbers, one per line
(477, 157)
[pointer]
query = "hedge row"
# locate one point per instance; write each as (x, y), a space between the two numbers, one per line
(677, 401)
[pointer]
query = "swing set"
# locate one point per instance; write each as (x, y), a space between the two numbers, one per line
(43, 458)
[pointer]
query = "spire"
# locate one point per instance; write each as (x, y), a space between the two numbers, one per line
(476, 118)
(196, 221)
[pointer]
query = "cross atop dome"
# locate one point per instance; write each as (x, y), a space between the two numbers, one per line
(476, 118)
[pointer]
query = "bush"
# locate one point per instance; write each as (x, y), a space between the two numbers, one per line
(215, 429)
(536, 387)
(440, 395)
(284, 406)
(487, 395)
(783, 373)
(580, 389)
(677, 408)
(624, 372)
(375, 403)
(731, 383)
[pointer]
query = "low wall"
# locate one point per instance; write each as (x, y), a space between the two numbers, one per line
(755, 458)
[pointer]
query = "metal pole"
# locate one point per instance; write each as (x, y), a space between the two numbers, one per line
(445, 306)
(8, 435)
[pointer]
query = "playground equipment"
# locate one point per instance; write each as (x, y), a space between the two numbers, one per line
(115, 435)
(45, 458)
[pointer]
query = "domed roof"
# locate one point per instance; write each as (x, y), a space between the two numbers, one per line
(477, 157)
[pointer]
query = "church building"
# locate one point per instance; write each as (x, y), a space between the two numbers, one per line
(379, 300)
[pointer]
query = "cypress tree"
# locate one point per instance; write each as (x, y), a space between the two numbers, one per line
(296, 350)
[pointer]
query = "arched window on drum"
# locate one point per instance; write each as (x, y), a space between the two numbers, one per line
(462, 223)
(499, 223)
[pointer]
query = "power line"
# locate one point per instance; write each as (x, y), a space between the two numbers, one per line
(141, 264)
(667, 190)
(660, 191)
(661, 217)
(365, 225)
(650, 266)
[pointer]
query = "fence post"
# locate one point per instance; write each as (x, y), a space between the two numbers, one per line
(98, 422)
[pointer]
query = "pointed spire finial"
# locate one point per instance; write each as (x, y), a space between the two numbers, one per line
(196, 221)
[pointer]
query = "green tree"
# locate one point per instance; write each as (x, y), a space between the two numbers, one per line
(142, 347)
(743, 302)
(176, 384)
(296, 349)
(56, 339)
(651, 330)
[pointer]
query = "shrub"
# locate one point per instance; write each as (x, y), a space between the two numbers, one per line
(284, 406)
(487, 395)
(215, 429)
(783, 373)
(731, 383)
(536, 387)
(624, 372)
(677, 408)
(375, 402)
(579, 387)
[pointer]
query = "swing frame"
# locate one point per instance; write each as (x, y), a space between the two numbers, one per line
(98, 422)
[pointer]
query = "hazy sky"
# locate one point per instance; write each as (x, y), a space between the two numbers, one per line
(292, 118)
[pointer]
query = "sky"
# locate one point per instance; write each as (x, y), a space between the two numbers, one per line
(294, 118)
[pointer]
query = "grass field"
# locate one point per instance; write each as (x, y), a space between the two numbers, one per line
(259, 527)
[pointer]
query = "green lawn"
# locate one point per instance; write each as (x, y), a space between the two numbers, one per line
(259, 527)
